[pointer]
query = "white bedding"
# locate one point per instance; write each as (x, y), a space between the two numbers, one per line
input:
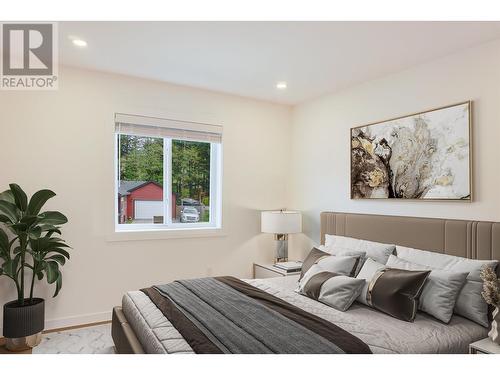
(381, 332)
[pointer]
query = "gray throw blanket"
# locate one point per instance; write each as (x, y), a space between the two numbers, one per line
(236, 323)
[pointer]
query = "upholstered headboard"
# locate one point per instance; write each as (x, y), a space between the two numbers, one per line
(464, 238)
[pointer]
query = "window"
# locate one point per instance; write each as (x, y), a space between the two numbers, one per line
(168, 174)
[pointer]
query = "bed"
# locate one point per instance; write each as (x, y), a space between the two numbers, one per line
(140, 327)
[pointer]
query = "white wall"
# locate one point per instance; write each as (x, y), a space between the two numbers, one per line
(63, 140)
(319, 175)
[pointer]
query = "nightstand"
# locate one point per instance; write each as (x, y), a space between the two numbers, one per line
(484, 346)
(265, 271)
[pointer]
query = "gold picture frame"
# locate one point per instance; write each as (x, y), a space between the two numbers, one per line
(361, 186)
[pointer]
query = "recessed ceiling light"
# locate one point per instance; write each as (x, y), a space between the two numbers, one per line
(79, 42)
(281, 85)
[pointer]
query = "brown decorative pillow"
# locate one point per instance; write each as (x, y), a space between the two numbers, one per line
(395, 292)
(312, 258)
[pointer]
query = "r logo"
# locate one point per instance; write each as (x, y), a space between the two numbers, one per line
(27, 49)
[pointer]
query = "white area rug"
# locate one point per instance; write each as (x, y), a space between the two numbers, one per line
(89, 340)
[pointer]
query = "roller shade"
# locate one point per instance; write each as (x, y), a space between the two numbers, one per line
(165, 128)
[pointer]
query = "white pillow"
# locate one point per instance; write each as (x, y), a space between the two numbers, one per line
(375, 250)
(369, 269)
(440, 290)
(445, 261)
(341, 251)
(337, 291)
(470, 304)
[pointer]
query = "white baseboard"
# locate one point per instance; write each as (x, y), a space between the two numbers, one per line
(72, 321)
(77, 320)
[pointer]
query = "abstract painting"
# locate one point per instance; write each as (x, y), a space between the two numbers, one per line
(421, 156)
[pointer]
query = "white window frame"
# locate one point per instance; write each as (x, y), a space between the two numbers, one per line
(215, 213)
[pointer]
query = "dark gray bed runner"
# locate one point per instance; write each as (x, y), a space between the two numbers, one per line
(232, 316)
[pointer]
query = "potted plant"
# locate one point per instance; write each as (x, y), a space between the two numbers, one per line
(491, 294)
(30, 250)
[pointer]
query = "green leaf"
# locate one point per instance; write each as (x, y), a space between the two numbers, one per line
(8, 268)
(35, 233)
(4, 241)
(4, 219)
(39, 244)
(41, 266)
(7, 196)
(51, 232)
(58, 258)
(34, 245)
(19, 196)
(52, 272)
(57, 242)
(37, 257)
(60, 251)
(40, 247)
(52, 218)
(58, 285)
(39, 275)
(29, 220)
(50, 229)
(19, 227)
(10, 210)
(38, 200)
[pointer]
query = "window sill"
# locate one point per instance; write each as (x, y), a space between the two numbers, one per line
(164, 234)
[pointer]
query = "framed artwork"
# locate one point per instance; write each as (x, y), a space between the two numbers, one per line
(423, 156)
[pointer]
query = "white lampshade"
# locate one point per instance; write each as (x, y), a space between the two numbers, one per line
(281, 222)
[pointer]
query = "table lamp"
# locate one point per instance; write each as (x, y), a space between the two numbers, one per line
(281, 224)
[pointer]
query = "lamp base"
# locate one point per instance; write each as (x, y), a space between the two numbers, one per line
(281, 247)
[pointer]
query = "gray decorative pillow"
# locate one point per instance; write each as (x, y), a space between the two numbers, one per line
(470, 304)
(332, 289)
(345, 265)
(440, 290)
(341, 251)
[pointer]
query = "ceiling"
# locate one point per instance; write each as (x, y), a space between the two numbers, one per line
(249, 58)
